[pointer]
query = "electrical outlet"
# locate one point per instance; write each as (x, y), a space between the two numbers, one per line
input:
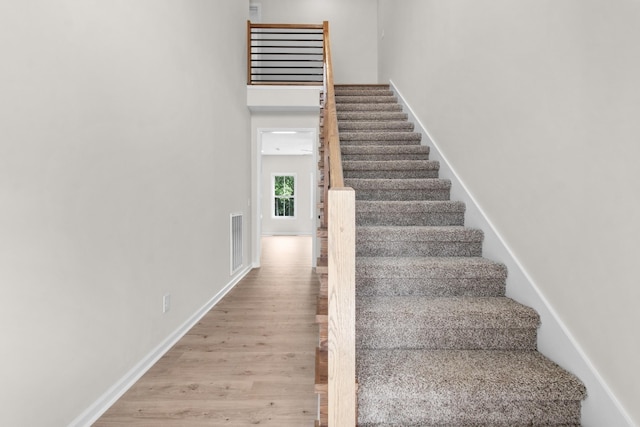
(166, 303)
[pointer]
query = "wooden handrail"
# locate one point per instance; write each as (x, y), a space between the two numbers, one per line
(290, 26)
(341, 264)
(331, 118)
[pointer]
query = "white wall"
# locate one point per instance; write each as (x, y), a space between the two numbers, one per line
(535, 104)
(352, 26)
(118, 122)
(303, 168)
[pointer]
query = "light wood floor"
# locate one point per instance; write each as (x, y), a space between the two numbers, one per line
(249, 361)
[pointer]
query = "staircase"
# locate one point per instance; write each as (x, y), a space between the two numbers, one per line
(438, 343)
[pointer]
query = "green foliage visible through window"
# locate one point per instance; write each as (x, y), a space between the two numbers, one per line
(284, 197)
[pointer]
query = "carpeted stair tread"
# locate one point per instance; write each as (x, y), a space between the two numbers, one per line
(464, 387)
(418, 241)
(360, 86)
(454, 312)
(380, 136)
(367, 99)
(430, 267)
(384, 152)
(384, 149)
(437, 323)
(410, 206)
(419, 233)
(409, 213)
(400, 189)
(429, 276)
(429, 286)
(383, 165)
(363, 92)
(369, 116)
(364, 125)
(362, 107)
(411, 184)
(390, 169)
(461, 323)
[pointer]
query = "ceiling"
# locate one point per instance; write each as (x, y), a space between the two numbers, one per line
(287, 143)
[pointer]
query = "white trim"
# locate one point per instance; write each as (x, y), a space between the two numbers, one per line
(555, 340)
(256, 194)
(287, 233)
(104, 402)
(312, 194)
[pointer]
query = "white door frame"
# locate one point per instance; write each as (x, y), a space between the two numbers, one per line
(257, 195)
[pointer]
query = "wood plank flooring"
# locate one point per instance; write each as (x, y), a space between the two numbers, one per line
(249, 361)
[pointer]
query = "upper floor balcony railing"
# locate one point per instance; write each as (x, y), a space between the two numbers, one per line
(285, 54)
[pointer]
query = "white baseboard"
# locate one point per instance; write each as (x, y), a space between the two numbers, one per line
(601, 407)
(286, 233)
(100, 406)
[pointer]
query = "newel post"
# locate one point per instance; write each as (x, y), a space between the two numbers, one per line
(342, 329)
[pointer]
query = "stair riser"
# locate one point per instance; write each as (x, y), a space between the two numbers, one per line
(374, 126)
(345, 137)
(417, 249)
(446, 411)
(367, 87)
(387, 174)
(376, 142)
(389, 165)
(363, 92)
(432, 287)
(390, 335)
(402, 194)
(383, 157)
(369, 99)
(381, 153)
(379, 116)
(384, 217)
(368, 107)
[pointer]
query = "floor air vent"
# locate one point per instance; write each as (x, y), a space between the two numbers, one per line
(236, 242)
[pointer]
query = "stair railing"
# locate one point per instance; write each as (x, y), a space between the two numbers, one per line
(285, 54)
(340, 223)
(294, 54)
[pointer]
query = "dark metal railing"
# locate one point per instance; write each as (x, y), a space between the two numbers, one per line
(285, 54)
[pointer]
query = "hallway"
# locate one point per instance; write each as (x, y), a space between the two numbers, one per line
(249, 361)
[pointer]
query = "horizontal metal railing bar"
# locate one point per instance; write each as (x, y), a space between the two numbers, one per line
(287, 74)
(255, 30)
(263, 36)
(286, 47)
(286, 40)
(286, 32)
(287, 53)
(271, 28)
(287, 67)
(287, 60)
(285, 79)
(287, 82)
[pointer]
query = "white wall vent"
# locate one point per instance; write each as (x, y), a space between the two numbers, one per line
(255, 12)
(236, 242)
